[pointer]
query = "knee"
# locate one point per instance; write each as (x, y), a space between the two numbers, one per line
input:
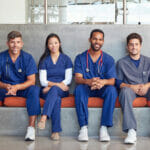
(80, 89)
(126, 95)
(111, 90)
(81, 92)
(125, 91)
(54, 90)
(34, 90)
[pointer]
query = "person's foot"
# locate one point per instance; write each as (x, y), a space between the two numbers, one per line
(103, 134)
(41, 125)
(83, 134)
(131, 137)
(30, 135)
(55, 136)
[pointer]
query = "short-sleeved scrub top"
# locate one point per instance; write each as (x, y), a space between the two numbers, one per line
(106, 69)
(56, 72)
(15, 73)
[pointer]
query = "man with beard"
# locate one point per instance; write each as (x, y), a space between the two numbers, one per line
(95, 75)
(17, 78)
(134, 80)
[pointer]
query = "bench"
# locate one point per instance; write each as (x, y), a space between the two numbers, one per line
(14, 118)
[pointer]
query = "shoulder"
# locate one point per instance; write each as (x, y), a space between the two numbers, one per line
(106, 55)
(123, 60)
(26, 55)
(82, 55)
(45, 60)
(3, 53)
(66, 57)
(108, 58)
(3, 56)
(146, 58)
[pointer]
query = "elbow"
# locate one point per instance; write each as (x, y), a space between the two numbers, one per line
(33, 82)
(44, 83)
(113, 81)
(76, 80)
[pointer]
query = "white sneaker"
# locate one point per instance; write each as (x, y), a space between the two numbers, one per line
(30, 135)
(83, 134)
(103, 134)
(131, 137)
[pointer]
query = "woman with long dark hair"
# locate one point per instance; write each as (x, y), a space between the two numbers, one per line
(55, 73)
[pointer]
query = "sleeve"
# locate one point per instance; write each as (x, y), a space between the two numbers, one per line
(78, 65)
(119, 78)
(0, 67)
(31, 67)
(68, 76)
(42, 65)
(43, 78)
(111, 70)
(68, 63)
(119, 71)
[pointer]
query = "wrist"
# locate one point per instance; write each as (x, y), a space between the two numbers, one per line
(17, 86)
(87, 81)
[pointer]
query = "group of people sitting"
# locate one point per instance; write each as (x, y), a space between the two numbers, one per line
(96, 75)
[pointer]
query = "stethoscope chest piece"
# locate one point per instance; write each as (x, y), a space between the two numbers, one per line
(20, 70)
(87, 70)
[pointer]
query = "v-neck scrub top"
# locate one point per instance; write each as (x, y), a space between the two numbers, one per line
(107, 70)
(130, 74)
(56, 72)
(15, 73)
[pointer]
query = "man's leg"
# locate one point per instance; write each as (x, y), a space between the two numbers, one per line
(126, 98)
(2, 94)
(33, 108)
(109, 94)
(81, 101)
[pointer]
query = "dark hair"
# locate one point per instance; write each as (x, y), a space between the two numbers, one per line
(134, 36)
(96, 30)
(47, 51)
(13, 34)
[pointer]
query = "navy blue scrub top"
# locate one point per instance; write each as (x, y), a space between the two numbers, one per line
(56, 72)
(15, 73)
(107, 70)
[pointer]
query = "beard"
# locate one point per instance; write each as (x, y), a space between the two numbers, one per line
(95, 49)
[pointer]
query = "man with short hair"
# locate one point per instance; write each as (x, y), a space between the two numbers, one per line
(17, 78)
(95, 75)
(133, 80)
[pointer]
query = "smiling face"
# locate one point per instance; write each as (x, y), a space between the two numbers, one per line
(97, 41)
(15, 45)
(134, 47)
(53, 45)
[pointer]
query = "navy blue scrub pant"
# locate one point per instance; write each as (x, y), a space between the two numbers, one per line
(32, 99)
(108, 93)
(52, 106)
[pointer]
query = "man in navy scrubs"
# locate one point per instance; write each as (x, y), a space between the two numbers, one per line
(95, 75)
(17, 78)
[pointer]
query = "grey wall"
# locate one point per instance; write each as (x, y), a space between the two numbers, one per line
(74, 38)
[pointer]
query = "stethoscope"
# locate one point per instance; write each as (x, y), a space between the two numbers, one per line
(100, 62)
(8, 67)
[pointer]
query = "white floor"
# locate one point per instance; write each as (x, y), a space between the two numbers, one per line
(69, 143)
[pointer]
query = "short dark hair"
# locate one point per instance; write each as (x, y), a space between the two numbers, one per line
(134, 36)
(13, 34)
(96, 30)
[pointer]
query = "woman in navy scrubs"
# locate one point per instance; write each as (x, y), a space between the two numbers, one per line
(55, 73)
